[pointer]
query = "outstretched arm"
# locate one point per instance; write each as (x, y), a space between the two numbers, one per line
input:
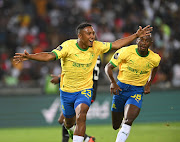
(114, 88)
(125, 41)
(42, 56)
(148, 84)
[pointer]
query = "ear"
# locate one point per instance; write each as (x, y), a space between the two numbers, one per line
(79, 36)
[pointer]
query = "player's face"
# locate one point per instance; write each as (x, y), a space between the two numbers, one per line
(87, 36)
(144, 43)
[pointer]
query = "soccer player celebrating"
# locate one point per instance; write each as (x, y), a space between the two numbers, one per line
(56, 80)
(136, 64)
(78, 58)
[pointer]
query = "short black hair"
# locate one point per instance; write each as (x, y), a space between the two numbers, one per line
(82, 26)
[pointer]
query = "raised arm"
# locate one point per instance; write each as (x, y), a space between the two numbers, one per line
(148, 84)
(125, 41)
(42, 56)
(114, 88)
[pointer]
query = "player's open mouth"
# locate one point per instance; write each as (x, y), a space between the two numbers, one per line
(143, 48)
(91, 41)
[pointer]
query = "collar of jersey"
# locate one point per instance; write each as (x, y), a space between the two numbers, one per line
(81, 48)
(141, 55)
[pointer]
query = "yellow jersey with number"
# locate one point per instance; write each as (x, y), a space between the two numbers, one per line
(77, 64)
(133, 68)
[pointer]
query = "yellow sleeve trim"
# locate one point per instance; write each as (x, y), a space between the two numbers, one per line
(55, 54)
(112, 63)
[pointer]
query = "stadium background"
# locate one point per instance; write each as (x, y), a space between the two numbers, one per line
(27, 98)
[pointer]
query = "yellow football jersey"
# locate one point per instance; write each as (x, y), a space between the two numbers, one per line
(77, 64)
(133, 68)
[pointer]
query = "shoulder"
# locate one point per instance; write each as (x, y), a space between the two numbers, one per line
(69, 42)
(127, 49)
(154, 57)
(100, 44)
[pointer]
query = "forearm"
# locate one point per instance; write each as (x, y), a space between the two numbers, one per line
(124, 41)
(153, 73)
(109, 73)
(43, 56)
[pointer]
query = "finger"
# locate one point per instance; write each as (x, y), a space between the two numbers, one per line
(119, 89)
(149, 29)
(17, 56)
(140, 27)
(148, 34)
(146, 92)
(146, 27)
(19, 53)
(115, 92)
(15, 59)
(52, 75)
(17, 62)
(52, 82)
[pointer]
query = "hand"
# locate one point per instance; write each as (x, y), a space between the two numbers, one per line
(20, 57)
(144, 32)
(147, 89)
(114, 89)
(55, 79)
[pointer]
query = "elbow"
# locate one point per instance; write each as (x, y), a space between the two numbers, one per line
(106, 69)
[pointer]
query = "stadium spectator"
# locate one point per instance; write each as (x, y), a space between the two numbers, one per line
(25, 19)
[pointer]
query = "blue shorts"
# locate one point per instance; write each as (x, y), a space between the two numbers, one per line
(69, 101)
(129, 95)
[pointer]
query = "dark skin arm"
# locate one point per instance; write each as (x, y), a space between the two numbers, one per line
(42, 56)
(148, 84)
(125, 41)
(114, 88)
(55, 79)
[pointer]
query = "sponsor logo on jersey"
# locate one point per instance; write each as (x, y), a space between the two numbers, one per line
(116, 56)
(59, 48)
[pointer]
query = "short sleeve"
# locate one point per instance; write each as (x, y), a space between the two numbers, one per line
(61, 51)
(158, 59)
(118, 57)
(103, 47)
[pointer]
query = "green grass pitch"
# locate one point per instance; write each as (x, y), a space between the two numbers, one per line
(140, 132)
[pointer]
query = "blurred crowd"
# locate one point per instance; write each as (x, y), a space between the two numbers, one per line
(41, 25)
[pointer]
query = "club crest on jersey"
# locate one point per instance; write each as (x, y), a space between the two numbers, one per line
(59, 48)
(116, 56)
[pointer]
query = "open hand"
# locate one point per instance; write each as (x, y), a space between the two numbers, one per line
(144, 31)
(20, 57)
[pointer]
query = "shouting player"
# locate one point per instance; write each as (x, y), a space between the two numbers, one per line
(136, 64)
(56, 80)
(78, 58)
